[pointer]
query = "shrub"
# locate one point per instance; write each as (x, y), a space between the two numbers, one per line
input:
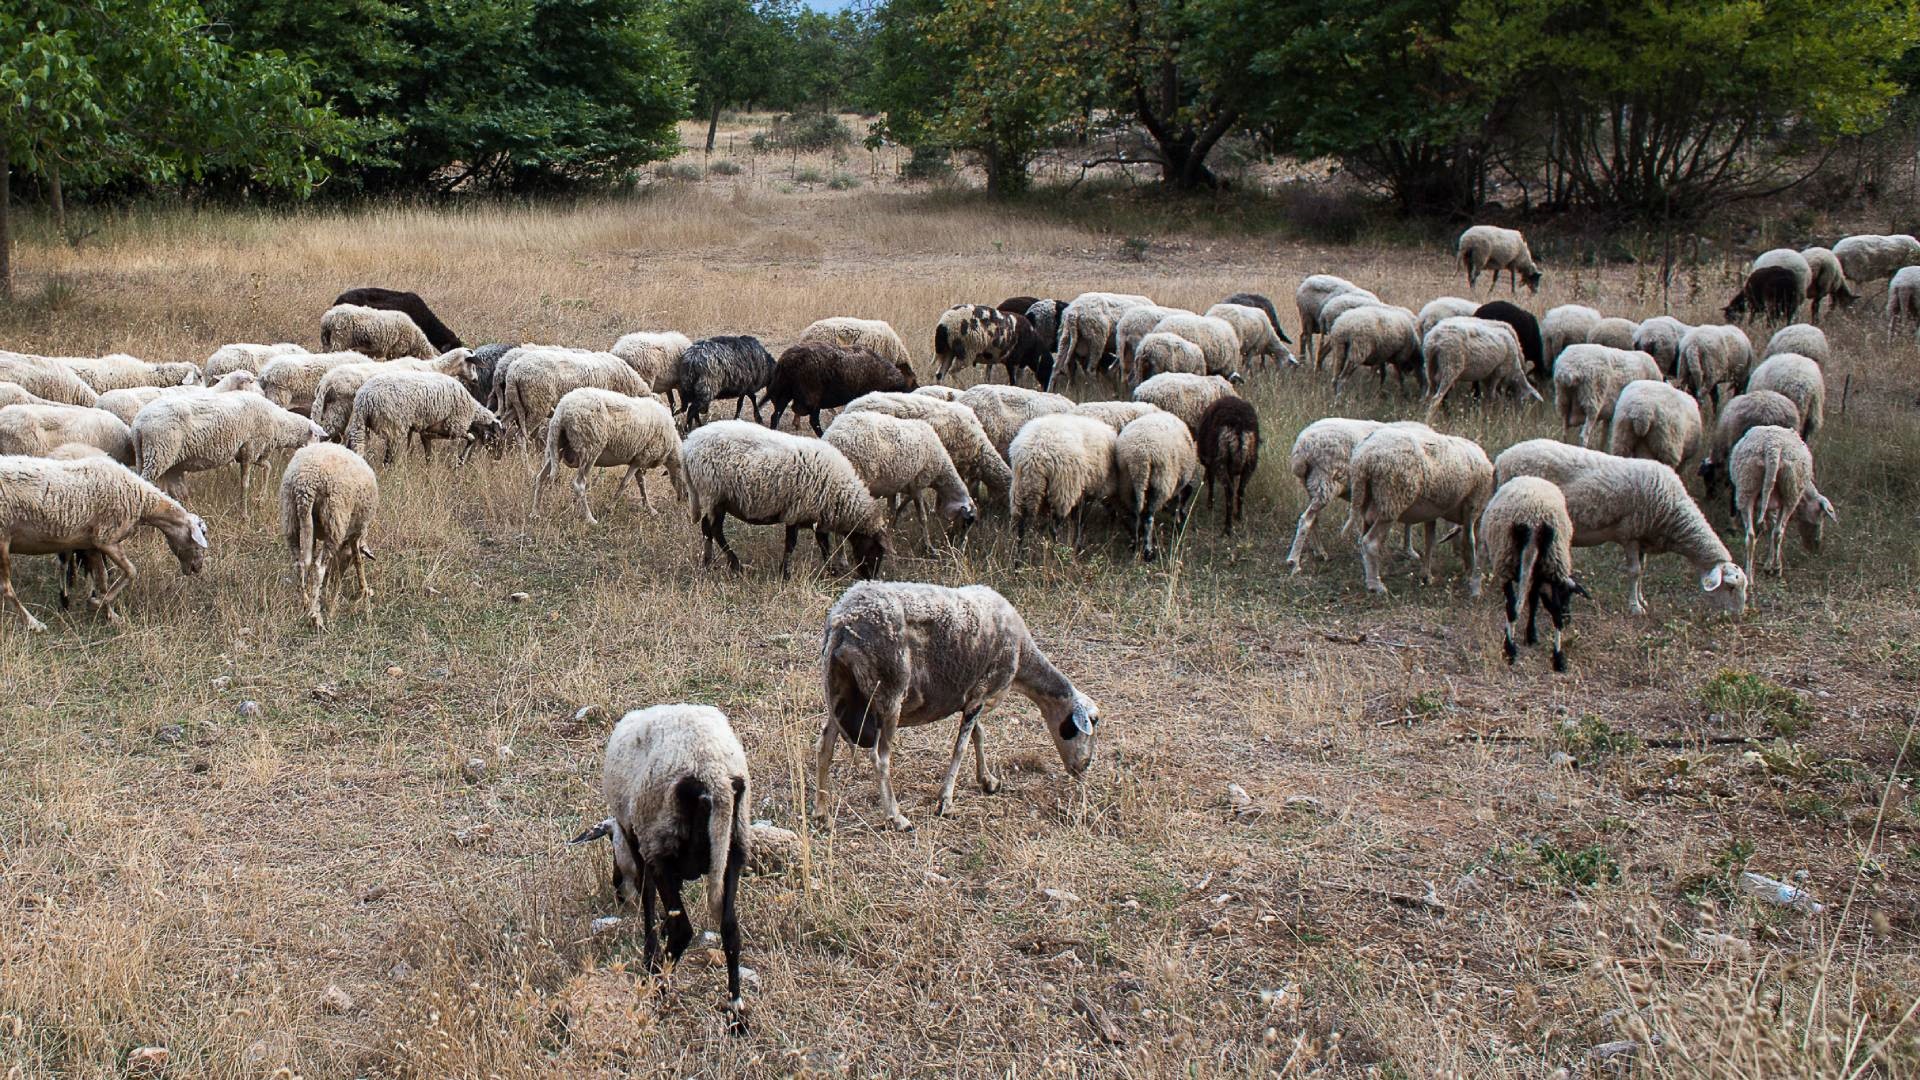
(1318, 213)
(810, 131)
(928, 163)
(809, 175)
(1591, 736)
(1745, 698)
(843, 182)
(1580, 869)
(725, 167)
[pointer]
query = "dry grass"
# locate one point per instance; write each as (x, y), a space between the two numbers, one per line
(174, 873)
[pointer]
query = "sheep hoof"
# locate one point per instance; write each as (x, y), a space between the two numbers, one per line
(945, 809)
(1377, 588)
(900, 822)
(35, 626)
(990, 785)
(736, 1020)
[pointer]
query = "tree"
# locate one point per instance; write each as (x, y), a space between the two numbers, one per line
(97, 89)
(731, 50)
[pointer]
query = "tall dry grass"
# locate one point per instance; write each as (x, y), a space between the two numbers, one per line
(175, 873)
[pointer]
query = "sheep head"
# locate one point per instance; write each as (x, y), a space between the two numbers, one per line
(1070, 722)
(1726, 587)
(1811, 516)
(188, 542)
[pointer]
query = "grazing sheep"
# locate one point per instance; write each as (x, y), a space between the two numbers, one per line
(1614, 332)
(731, 366)
(943, 393)
(333, 397)
(1463, 349)
(1158, 465)
(1060, 462)
(1568, 324)
(1045, 317)
(1134, 324)
(1868, 258)
(1771, 291)
(1115, 414)
(655, 357)
(382, 335)
(1829, 281)
(1490, 247)
(1086, 331)
(1772, 473)
(1004, 410)
(37, 430)
(1525, 327)
(1405, 475)
(328, 497)
(593, 428)
(1445, 307)
(1319, 461)
(1903, 299)
(1375, 336)
(1640, 505)
(1798, 379)
(126, 404)
(960, 432)
(1185, 396)
(87, 504)
(898, 459)
(1742, 414)
(46, 378)
(1312, 295)
(1158, 353)
(1330, 313)
(195, 432)
(1254, 329)
(495, 389)
(900, 654)
(536, 380)
(15, 394)
(1659, 337)
(814, 375)
(983, 336)
(1265, 306)
(291, 381)
(1016, 305)
(766, 477)
(393, 405)
(1227, 441)
(484, 360)
(1657, 421)
(874, 335)
(677, 787)
(120, 371)
(1712, 357)
(1808, 341)
(1529, 538)
(228, 359)
(1216, 337)
(410, 303)
(1587, 381)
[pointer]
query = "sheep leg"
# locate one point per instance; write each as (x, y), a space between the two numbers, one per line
(1746, 535)
(1636, 567)
(650, 954)
(1779, 545)
(6, 583)
(679, 927)
(818, 431)
(1316, 501)
(316, 584)
(580, 489)
(1470, 552)
(823, 761)
(969, 723)
(639, 476)
(786, 556)
(989, 783)
(1559, 613)
(359, 554)
(1239, 495)
(719, 536)
(730, 938)
(1373, 543)
(1512, 612)
(1147, 552)
(105, 600)
(883, 769)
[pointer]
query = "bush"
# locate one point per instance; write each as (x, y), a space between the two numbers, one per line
(843, 182)
(725, 167)
(811, 131)
(809, 175)
(1318, 213)
(928, 163)
(682, 170)
(1745, 698)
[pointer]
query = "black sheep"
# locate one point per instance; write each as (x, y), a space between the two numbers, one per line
(484, 359)
(730, 366)
(394, 300)
(1229, 445)
(816, 375)
(1255, 300)
(1525, 327)
(1771, 290)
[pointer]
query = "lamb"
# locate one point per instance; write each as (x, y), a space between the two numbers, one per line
(1867, 258)
(291, 381)
(1185, 396)
(1490, 247)
(1115, 414)
(228, 359)
(766, 477)
(655, 357)
(1216, 337)
(594, 428)
(1772, 291)
(120, 371)
(126, 404)
(1158, 465)
(813, 376)
(1255, 331)
(1228, 444)
(676, 785)
(1134, 324)
(898, 459)
(1587, 381)
(1614, 332)
(536, 380)
(1376, 336)
(901, 654)
(983, 336)
(1525, 327)
(1659, 337)
(1568, 324)
(14, 394)
(1159, 353)
(1798, 379)
(873, 335)
(1829, 280)
(194, 432)
(731, 366)
(966, 442)
(1903, 299)
(1477, 351)
(1529, 538)
(382, 335)
(1711, 357)
(1445, 307)
(1654, 420)
(1742, 414)
(46, 378)
(1004, 410)
(1265, 307)
(442, 339)
(333, 397)
(1060, 463)
(1312, 295)
(1086, 330)
(1401, 474)
(87, 504)
(1773, 481)
(1808, 341)
(37, 430)
(1640, 505)
(328, 498)
(393, 405)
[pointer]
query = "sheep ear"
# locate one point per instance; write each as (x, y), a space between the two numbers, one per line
(1710, 580)
(1826, 507)
(1084, 715)
(197, 530)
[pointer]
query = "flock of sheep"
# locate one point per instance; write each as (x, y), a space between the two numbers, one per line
(93, 448)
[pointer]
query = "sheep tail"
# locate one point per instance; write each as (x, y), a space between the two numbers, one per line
(1357, 494)
(1529, 543)
(725, 831)
(1768, 479)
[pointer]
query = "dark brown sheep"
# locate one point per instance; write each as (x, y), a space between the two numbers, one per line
(1229, 445)
(394, 300)
(1772, 291)
(815, 375)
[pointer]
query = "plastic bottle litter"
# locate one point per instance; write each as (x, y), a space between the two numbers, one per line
(1775, 891)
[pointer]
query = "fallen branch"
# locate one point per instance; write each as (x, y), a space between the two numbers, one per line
(1428, 903)
(1362, 639)
(1652, 744)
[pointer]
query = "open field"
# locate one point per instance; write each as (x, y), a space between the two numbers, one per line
(175, 873)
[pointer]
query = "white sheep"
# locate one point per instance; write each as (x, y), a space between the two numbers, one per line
(1529, 539)
(195, 432)
(1114, 414)
(328, 499)
(1903, 299)
(15, 394)
(898, 459)
(1587, 380)
(874, 335)
(120, 371)
(767, 477)
(333, 396)
(1657, 421)
(1480, 352)
(1259, 340)
(1445, 307)
(1218, 341)
(126, 404)
(1158, 353)
(1829, 280)
(394, 405)
(1376, 336)
(1798, 379)
(960, 431)
(1004, 410)
(1712, 357)
(1310, 296)
(899, 654)
(1740, 415)
(944, 393)
(1490, 247)
(1060, 462)
(1772, 472)
(1405, 475)
(594, 428)
(87, 504)
(1868, 258)
(46, 378)
(1185, 396)
(1640, 505)
(291, 381)
(1159, 465)
(1808, 341)
(1614, 332)
(378, 332)
(37, 430)
(1086, 330)
(243, 356)
(677, 787)
(1133, 325)
(1659, 337)
(655, 357)
(1789, 260)
(1568, 324)
(1337, 306)
(539, 378)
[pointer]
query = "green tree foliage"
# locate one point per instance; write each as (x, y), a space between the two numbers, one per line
(731, 49)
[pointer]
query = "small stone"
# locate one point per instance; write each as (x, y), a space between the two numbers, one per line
(395, 671)
(782, 640)
(519, 597)
(221, 682)
(244, 631)
(586, 712)
(249, 710)
(475, 770)
(1060, 896)
(325, 692)
(935, 877)
(1562, 760)
(375, 894)
(336, 1001)
(750, 977)
(148, 1057)
(170, 734)
(441, 673)
(606, 924)
(400, 972)
(1221, 928)
(1237, 797)
(504, 753)
(472, 835)
(1306, 803)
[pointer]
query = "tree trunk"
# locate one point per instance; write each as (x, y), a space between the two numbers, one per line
(713, 124)
(6, 222)
(57, 200)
